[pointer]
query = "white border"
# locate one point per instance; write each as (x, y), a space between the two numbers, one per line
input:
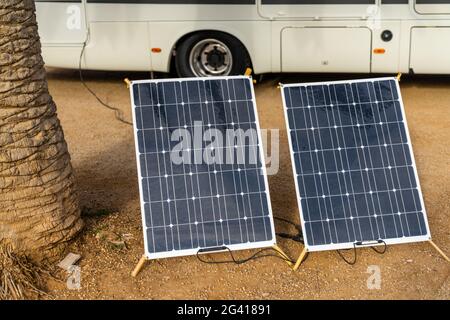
(349, 245)
(188, 252)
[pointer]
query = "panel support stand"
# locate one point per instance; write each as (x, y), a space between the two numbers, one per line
(439, 250)
(139, 266)
(300, 259)
(127, 82)
(283, 255)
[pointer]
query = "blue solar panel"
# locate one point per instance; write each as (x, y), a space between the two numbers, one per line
(201, 175)
(353, 164)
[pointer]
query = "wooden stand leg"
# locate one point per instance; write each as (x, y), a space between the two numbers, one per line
(139, 266)
(439, 250)
(300, 259)
(284, 255)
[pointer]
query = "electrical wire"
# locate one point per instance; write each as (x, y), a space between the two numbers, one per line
(295, 237)
(298, 227)
(382, 251)
(298, 237)
(117, 112)
(348, 261)
(354, 250)
(254, 256)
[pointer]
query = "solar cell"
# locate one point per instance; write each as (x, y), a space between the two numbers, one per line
(202, 179)
(354, 169)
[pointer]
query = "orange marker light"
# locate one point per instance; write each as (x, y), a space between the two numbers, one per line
(156, 50)
(379, 51)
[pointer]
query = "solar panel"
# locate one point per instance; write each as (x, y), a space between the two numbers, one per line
(355, 174)
(202, 178)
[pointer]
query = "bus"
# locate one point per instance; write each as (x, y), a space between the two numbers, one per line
(224, 37)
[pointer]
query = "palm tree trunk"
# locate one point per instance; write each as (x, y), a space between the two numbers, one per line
(39, 209)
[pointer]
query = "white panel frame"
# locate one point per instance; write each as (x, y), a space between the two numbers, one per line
(188, 252)
(350, 245)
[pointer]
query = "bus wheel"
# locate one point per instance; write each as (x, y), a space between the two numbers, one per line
(211, 54)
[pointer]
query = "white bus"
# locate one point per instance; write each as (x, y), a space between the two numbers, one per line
(224, 37)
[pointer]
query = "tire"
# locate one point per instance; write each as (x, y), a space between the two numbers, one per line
(208, 54)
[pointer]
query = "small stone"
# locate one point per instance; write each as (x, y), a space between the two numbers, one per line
(409, 260)
(120, 244)
(265, 294)
(127, 236)
(106, 235)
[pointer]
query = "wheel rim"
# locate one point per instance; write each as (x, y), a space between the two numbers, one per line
(210, 57)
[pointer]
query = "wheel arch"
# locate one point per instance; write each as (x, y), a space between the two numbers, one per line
(171, 62)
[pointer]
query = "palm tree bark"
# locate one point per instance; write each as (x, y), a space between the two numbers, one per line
(39, 209)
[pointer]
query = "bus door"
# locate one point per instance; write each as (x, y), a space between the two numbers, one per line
(61, 22)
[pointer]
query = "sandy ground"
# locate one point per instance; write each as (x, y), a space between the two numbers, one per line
(103, 157)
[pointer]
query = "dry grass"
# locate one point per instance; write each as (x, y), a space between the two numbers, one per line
(19, 277)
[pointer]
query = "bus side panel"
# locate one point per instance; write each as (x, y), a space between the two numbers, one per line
(62, 30)
(61, 23)
(430, 50)
(326, 49)
(61, 56)
(118, 46)
(254, 35)
(388, 60)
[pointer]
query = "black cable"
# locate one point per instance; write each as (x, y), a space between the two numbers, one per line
(298, 227)
(298, 237)
(294, 237)
(117, 112)
(384, 250)
(354, 250)
(347, 261)
(254, 256)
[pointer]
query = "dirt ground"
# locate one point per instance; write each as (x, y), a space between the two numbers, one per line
(103, 157)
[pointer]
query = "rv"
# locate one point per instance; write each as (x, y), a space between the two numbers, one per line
(224, 37)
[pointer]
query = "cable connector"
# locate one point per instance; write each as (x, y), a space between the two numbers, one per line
(128, 82)
(399, 76)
